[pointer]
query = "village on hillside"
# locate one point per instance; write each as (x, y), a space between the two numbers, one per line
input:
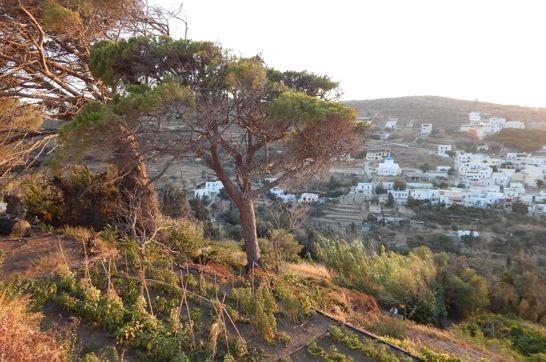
(507, 181)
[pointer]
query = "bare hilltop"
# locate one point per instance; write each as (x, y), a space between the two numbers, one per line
(444, 112)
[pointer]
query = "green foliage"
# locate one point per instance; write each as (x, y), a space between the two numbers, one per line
(312, 84)
(56, 17)
(425, 167)
(260, 309)
(314, 350)
(466, 293)
(293, 303)
(399, 185)
(185, 237)
(90, 199)
(380, 189)
(390, 201)
(42, 200)
(436, 242)
(228, 253)
(532, 293)
(390, 277)
(525, 339)
(334, 355)
(430, 356)
(519, 208)
(279, 247)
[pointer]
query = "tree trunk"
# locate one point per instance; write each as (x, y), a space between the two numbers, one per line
(139, 195)
(248, 222)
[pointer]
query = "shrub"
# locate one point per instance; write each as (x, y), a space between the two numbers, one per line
(42, 200)
(185, 237)
(314, 350)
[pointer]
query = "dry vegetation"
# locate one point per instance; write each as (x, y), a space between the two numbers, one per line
(20, 337)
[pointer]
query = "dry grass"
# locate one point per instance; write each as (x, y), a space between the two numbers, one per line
(445, 341)
(46, 264)
(308, 270)
(20, 337)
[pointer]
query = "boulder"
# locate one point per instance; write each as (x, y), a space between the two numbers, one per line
(14, 226)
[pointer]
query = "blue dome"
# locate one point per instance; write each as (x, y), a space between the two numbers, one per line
(389, 158)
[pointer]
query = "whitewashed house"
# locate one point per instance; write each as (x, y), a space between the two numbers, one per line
(279, 193)
(432, 195)
(287, 197)
(211, 189)
(471, 233)
(377, 155)
(466, 157)
(388, 168)
(474, 117)
(443, 149)
(426, 129)
(532, 174)
(308, 197)
(276, 191)
(391, 124)
(515, 124)
(501, 179)
(363, 188)
(400, 196)
(200, 193)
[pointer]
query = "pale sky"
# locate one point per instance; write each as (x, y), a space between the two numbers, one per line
(490, 50)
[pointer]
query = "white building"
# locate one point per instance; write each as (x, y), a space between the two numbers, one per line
(400, 196)
(474, 117)
(279, 193)
(443, 149)
(212, 188)
(514, 124)
(465, 157)
(308, 197)
(391, 124)
(426, 129)
(377, 155)
(431, 195)
(287, 197)
(471, 233)
(388, 168)
(484, 127)
(363, 188)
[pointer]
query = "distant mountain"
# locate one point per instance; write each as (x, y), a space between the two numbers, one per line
(444, 112)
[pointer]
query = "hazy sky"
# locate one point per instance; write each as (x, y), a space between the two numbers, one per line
(494, 51)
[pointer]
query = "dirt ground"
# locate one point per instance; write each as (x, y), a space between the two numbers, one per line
(42, 254)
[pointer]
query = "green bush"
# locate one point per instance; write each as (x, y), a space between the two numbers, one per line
(42, 200)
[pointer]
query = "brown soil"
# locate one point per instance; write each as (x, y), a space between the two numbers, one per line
(42, 254)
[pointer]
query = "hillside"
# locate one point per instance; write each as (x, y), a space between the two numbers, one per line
(444, 112)
(98, 300)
